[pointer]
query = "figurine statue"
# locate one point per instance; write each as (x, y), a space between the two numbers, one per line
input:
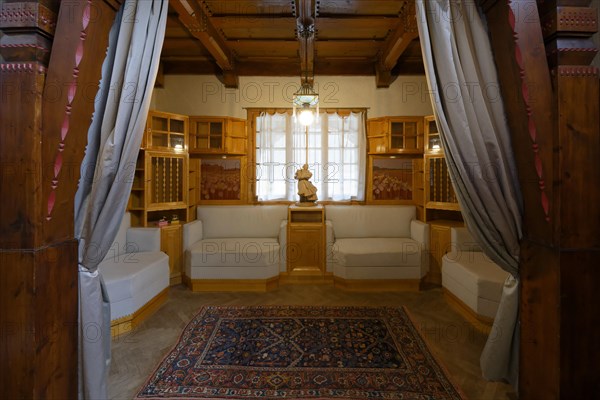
(306, 190)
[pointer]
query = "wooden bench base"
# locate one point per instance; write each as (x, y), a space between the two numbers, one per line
(127, 323)
(480, 322)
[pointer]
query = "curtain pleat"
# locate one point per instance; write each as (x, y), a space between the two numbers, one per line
(128, 74)
(460, 71)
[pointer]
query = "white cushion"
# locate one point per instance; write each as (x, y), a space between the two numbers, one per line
(377, 252)
(241, 221)
(370, 221)
(475, 280)
(462, 240)
(119, 245)
(234, 258)
(134, 279)
(240, 252)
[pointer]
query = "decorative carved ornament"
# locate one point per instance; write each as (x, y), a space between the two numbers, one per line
(532, 129)
(27, 15)
(71, 92)
(570, 19)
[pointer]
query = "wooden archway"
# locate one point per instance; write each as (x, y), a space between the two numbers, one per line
(49, 74)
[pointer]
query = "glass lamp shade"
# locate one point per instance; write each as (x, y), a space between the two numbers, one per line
(305, 96)
(307, 100)
(306, 117)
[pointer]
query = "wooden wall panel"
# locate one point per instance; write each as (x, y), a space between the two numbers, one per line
(38, 256)
(580, 324)
(556, 140)
(39, 323)
(540, 322)
(17, 324)
(527, 92)
(70, 90)
(579, 156)
(20, 142)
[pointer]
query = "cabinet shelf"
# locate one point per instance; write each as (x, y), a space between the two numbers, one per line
(166, 132)
(395, 135)
(217, 135)
(162, 187)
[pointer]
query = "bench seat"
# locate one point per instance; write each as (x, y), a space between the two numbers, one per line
(472, 278)
(136, 276)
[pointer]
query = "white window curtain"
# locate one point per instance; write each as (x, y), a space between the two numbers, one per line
(460, 71)
(114, 139)
(336, 156)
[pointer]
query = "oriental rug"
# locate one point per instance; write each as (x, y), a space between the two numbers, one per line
(288, 352)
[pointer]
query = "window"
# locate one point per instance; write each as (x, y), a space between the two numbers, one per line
(336, 156)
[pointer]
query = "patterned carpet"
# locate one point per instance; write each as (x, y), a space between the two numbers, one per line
(275, 352)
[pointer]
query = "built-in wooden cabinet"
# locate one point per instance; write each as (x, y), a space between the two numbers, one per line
(433, 144)
(217, 135)
(306, 241)
(440, 243)
(440, 201)
(419, 187)
(160, 185)
(171, 243)
(166, 132)
(160, 188)
(395, 135)
(193, 186)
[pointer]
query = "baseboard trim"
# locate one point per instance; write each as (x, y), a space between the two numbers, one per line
(129, 322)
(232, 285)
(377, 285)
(286, 278)
(480, 322)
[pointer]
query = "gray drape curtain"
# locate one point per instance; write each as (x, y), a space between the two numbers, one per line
(469, 112)
(114, 139)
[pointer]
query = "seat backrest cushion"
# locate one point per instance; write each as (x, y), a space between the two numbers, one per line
(370, 221)
(241, 221)
(461, 239)
(119, 245)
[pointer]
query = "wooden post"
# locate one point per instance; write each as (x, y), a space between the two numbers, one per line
(551, 95)
(49, 74)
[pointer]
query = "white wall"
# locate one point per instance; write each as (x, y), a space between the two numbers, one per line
(205, 95)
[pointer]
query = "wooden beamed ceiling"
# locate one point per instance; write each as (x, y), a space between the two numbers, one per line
(300, 38)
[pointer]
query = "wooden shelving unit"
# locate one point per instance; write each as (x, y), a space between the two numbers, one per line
(395, 135)
(166, 131)
(218, 135)
(160, 189)
(440, 202)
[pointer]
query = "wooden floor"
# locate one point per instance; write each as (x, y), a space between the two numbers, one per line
(453, 340)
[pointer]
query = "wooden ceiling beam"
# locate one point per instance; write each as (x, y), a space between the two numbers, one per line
(198, 23)
(306, 37)
(405, 32)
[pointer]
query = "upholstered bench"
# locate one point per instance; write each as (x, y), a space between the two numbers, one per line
(374, 248)
(136, 275)
(235, 248)
(471, 280)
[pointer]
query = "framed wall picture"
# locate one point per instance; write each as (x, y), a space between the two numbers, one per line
(390, 180)
(222, 181)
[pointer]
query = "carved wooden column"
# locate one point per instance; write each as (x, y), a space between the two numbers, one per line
(551, 95)
(51, 56)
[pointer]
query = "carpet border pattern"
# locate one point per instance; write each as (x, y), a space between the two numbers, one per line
(199, 365)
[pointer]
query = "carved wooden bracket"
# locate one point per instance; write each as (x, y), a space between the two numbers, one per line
(406, 31)
(195, 18)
